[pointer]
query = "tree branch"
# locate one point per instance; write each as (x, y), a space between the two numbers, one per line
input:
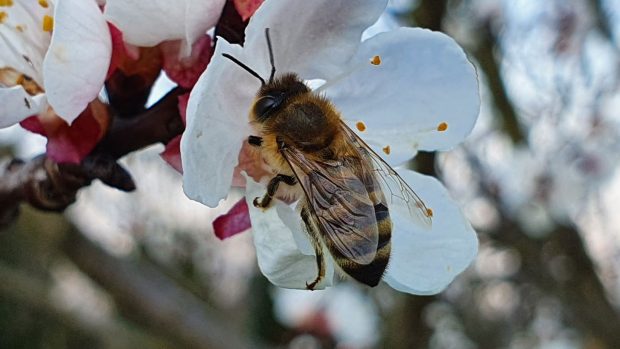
(49, 186)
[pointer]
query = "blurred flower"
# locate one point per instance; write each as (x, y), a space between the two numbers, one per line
(343, 312)
(55, 52)
(422, 96)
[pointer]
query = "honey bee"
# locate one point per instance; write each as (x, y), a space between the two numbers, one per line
(340, 181)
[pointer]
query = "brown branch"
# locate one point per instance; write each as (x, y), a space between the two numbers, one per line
(47, 185)
(152, 299)
(485, 53)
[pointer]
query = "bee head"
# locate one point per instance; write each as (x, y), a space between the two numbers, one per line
(272, 97)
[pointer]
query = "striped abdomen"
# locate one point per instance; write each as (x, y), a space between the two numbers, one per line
(369, 274)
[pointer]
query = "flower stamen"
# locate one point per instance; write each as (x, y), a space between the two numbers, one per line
(375, 61)
(442, 127)
(48, 23)
(361, 126)
(44, 3)
(387, 150)
(6, 3)
(3, 16)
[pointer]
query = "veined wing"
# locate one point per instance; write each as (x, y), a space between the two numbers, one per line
(340, 203)
(398, 191)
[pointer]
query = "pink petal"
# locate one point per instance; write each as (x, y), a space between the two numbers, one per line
(120, 50)
(246, 8)
(183, 99)
(251, 162)
(185, 71)
(172, 154)
(70, 143)
(235, 221)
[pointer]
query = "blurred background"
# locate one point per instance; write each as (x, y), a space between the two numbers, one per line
(537, 179)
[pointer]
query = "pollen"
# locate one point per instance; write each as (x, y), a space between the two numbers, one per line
(442, 127)
(3, 16)
(44, 3)
(19, 28)
(6, 3)
(48, 23)
(429, 212)
(387, 150)
(376, 60)
(360, 126)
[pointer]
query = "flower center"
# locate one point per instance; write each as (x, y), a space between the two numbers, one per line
(10, 77)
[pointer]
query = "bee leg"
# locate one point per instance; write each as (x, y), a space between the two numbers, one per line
(255, 141)
(318, 250)
(272, 187)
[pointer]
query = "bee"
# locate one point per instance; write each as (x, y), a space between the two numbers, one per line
(340, 181)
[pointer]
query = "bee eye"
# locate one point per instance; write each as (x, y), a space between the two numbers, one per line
(265, 105)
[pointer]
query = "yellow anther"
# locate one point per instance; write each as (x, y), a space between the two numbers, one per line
(429, 212)
(43, 3)
(19, 28)
(48, 23)
(3, 16)
(6, 3)
(387, 150)
(376, 60)
(360, 126)
(442, 127)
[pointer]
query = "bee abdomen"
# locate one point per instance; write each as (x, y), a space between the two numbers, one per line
(371, 274)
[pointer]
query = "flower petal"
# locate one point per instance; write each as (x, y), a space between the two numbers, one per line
(217, 125)
(422, 96)
(279, 259)
(233, 222)
(314, 39)
(185, 71)
(172, 154)
(78, 58)
(23, 42)
(425, 261)
(70, 143)
(246, 8)
(147, 23)
(17, 105)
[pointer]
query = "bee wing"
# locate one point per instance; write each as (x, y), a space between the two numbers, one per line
(398, 191)
(339, 203)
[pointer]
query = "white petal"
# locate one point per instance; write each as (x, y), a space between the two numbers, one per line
(78, 58)
(424, 79)
(425, 261)
(147, 23)
(17, 105)
(217, 125)
(292, 220)
(23, 42)
(279, 259)
(200, 16)
(311, 38)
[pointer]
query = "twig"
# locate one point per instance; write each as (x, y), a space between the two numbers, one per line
(49, 186)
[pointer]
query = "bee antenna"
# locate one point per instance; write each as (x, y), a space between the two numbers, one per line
(248, 69)
(273, 66)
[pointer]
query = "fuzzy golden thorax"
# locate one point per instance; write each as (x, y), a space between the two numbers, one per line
(286, 112)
